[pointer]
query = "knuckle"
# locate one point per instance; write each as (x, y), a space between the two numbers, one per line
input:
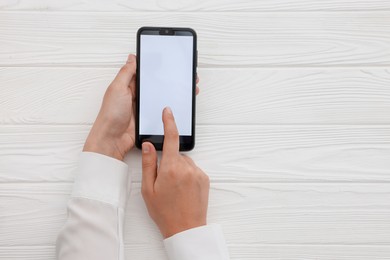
(173, 174)
(189, 170)
(172, 169)
(110, 89)
(190, 176)
(124, 69)
(127, 68)
(206, 178)
(147, 163)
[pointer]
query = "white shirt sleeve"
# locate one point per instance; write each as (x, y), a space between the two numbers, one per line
(201, 243)
(94, 225)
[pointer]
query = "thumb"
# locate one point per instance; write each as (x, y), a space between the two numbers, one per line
(149, 168)
(127, 72)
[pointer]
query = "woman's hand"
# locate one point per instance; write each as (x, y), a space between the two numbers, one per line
(176, 192)
(113, 133)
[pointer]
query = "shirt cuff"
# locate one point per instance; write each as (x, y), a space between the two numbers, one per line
(206, 242)
(102, 178)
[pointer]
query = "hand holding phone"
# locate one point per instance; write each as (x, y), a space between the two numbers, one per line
(166, 76)
(113, 132)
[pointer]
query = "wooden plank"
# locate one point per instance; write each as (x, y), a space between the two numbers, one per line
(52, 95)
(313, 214)
(226, 153)
(235, 40)
(228, 96)
(193, 5)
(28, 252)
(239, 252)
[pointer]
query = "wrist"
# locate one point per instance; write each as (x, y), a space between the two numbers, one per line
(102, 147)
(173, 230)
(98, 142)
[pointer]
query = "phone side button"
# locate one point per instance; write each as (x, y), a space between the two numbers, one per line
(196, 58)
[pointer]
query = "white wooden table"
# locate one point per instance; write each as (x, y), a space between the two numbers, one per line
(293, 120)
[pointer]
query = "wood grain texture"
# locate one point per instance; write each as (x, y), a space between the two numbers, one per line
(313, 214)
(195, 5)
(228, 96)
(234, 40)
(239, 252)
(227, 153)
(293, 121)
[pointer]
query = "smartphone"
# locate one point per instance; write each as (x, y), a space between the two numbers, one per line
(166, 76)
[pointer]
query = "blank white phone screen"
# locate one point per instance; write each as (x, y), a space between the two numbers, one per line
(166, 70)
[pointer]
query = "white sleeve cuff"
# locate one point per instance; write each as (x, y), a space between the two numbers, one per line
(206, 242)
(102, 178)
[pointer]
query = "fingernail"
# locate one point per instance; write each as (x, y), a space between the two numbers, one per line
(130, 58)
(168, 109)
(145, 148)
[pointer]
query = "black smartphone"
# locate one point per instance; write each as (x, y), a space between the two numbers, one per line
(166, 76)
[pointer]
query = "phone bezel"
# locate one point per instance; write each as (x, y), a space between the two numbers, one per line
(187, 143)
